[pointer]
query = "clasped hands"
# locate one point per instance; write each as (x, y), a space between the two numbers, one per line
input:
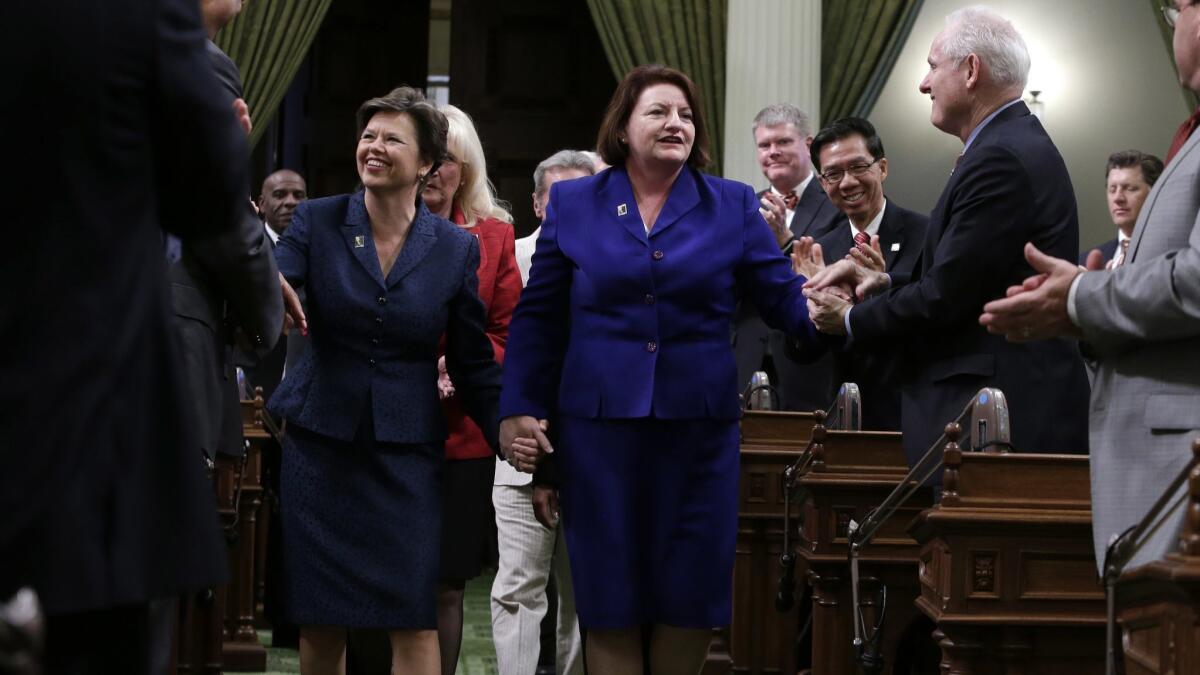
(832, 289)
(523, 441)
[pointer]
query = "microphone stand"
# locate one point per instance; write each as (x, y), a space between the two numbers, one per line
(989, 402)
(845, 413)
(1123, 547)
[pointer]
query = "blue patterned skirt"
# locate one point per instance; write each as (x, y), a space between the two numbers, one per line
(361, 530)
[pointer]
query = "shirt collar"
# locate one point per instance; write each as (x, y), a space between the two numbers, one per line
(873, 226)
(271, 233)
(986, 121)
(799, 188)
(1121, 236)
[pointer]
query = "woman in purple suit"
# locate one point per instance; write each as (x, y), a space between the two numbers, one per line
(621, 340)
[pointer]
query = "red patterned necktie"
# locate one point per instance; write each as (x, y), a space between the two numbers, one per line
(1123, 255)
(1181, 135)
(791, 199)
(861, 238)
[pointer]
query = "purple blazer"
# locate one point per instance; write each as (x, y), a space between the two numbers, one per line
(615, 323)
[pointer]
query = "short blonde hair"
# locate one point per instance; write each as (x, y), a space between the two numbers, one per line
(476, 196)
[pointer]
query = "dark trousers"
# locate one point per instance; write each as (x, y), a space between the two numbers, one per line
(104, 642)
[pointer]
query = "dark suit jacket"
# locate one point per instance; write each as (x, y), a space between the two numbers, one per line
(876, 368)
(1010, 187)
(615, 323)
(801, 386)
(1108, 248)
(226, 70)
(102, 506)
(217, 289)
(264, 369)
(374, 341)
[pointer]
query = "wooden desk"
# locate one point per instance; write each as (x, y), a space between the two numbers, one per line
(1158, 604)
(853, 472)
(761, 639)
(1007, 568)
(241, 649)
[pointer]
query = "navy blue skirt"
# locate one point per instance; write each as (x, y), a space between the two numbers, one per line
(649, 509)
(361, 530)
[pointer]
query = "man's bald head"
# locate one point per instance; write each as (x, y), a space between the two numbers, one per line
(282, 192)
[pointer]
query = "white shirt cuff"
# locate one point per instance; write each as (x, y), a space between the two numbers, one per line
(1071, 300)
(846, 317)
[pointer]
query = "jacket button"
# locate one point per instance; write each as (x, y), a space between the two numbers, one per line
(374, 341)
(382, 300)
(652, 346)
(371, 361)
(379, 319)
(657, 255)
(649, 298)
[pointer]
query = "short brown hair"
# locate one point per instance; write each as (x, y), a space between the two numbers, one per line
(430, 123)
(1151, 166)
(620, 107)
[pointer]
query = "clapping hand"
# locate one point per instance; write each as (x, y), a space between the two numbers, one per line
(774, 211)
(807, 259)
(869, 256)
(523, 441)
(1036, 309)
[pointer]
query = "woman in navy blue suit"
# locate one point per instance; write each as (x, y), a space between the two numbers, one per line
(621, 340)
(363, 451)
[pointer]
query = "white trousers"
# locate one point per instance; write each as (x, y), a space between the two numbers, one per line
(528, 552)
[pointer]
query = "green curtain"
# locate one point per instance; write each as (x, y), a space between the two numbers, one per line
(860, 42)
(268, 41)
(1189, 96)
(684, 34)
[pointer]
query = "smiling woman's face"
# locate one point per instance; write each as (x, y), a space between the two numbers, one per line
(660, 128)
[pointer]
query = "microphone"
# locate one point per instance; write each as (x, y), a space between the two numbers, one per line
(785, 597)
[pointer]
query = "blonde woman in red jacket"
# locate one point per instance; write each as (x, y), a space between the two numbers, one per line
(460, 191)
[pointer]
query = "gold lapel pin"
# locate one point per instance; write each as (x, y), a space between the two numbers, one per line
(622, 209)
(359, 241)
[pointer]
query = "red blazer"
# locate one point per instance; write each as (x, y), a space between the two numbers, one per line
(499, 288)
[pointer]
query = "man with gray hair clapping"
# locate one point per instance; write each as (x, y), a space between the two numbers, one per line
(1009, 186)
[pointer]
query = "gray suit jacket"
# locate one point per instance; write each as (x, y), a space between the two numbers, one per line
(1141, 322)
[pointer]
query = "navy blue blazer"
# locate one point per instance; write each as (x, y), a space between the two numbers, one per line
(374, 340)
(1010, 187)
(616, 323)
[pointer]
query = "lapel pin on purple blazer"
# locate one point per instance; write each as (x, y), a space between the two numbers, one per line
(359, 241)
(622, 209)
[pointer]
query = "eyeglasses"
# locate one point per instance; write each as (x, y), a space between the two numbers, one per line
(835, 176)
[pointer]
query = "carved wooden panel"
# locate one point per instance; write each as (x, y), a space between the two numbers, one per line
(1059, 576)
(984, 582)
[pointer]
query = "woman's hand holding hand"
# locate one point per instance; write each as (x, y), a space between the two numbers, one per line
(445, 386)
(523, 441)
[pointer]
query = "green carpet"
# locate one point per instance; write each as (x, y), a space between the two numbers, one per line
(478, 657)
